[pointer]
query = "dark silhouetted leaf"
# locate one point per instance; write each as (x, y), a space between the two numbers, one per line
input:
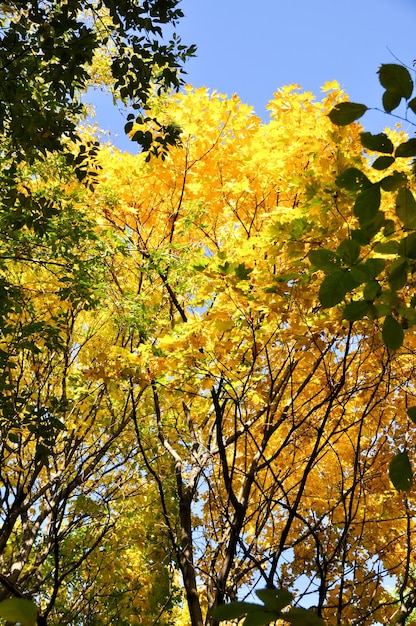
(19, 610)
(411, 413)
(356, 310)
(335, 286)
(392, 333)
(406, 207)
(353, 179)
(406, 149)
(412, 105)
(391, 101)
(381, 310)
(275, 599)
(234, 610)
(393, 181)
(407, 247)
(367, 204)
(349, 251)
(378, 143)
(346, 112)
(398, 274)
(396, 79)
(374, 267)
(360, 237)
(387, 247)
(400, 472)
(324, 259)
(389, 228)
(260, 617)
(303, 617)
(383, 162)
(371, 290)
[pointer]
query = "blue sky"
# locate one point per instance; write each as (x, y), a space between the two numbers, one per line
(253, 48)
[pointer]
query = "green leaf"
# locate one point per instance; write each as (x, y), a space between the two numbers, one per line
(398, 274)
(373, 267)
(260, 617)
(360, 237)
(389, 228)
(406, 207)
(406, 149)
(242, 272)
(346, 112)
(390, 297)
(412, 105)
(303, 617)
(381, 310)
(275, 599)
(234, 610)
(394, 181)
(383, 162)
(378, 143)
(324, 259)
(407, 247)
(387, 247)
(227, 268)
(400, 472)
(390, 101)
(367, 204)
(396, 79)
(349, 251)
(360, 274)
(352, 179)
(19, 610)
(408, 314)
(411, 413)
(334, 288)
(356, 310)
(371, 290)
(392, 333)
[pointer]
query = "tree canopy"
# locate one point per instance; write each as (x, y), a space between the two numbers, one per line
(175, 380)
(51, 52)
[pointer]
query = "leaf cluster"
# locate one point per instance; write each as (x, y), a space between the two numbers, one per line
(274, 607)
(377, 261)
(46, 50)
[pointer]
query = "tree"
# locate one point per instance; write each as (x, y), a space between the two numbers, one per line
(74, 497)
(48, 53)
(52, 268)
(383, 238)
(279, 418)
(378, 233)
(261, 422)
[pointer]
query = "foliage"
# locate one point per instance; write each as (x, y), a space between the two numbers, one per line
(374, 264)
(19, 610)
(47, 50)
(48, 59)
(74, 497)
(277, 417)
(274, 603)
(183, 392)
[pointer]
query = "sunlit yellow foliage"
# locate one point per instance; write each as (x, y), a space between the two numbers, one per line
(281, 417)
(258, 425)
